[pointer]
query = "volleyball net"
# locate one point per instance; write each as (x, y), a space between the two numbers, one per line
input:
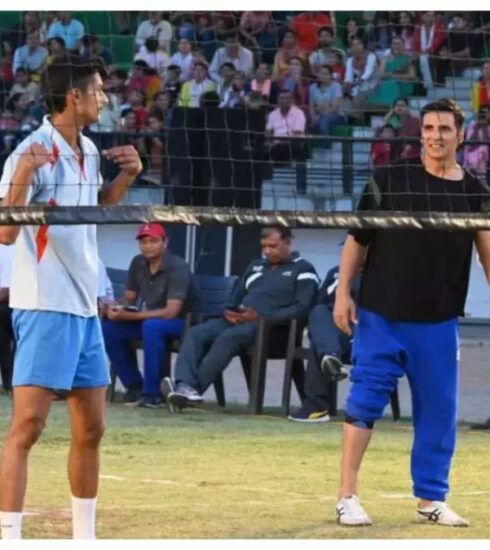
(289, 133)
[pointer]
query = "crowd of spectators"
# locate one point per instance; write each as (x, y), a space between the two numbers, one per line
(335, 73)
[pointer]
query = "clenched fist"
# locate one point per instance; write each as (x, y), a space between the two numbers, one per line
(126, 157)
(36, 156)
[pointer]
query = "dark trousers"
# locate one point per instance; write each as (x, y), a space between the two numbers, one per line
(207, 350)
(287, 151)
(325, 339)
(6, 346)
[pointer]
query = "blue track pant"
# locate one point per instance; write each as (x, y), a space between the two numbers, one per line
(384, 351)
(119, 336)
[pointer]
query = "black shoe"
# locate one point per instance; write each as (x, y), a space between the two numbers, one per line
(132, 396)
(151, 402)
(481, 425)
(333, 368)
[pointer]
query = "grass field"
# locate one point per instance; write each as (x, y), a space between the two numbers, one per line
(209, 474)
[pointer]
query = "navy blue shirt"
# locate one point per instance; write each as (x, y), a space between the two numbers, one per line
(286, 290)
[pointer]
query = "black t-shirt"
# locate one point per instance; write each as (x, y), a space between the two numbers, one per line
(412, 274)
(173, 281)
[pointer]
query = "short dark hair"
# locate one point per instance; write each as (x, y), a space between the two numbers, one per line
(201, 64)
(403, 99)
(228, 65)
(89, 39)
(326, 28)
(151, 44)
(445, 105)
(66, 72)
(61, 41)
(283, 231)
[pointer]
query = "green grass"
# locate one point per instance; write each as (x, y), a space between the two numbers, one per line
(209, 474)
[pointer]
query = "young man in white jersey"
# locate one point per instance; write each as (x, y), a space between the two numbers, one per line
(54, 289)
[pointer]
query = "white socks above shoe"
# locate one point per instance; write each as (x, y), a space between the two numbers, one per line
(83, 517)
(11, 525)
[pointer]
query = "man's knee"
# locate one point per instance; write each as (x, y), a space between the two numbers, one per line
(230, 340)
(319, 314)
(109, 328)
(26, 431)
(154, 328)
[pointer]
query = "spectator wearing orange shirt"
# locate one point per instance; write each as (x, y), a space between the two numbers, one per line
(145, 79)
(306, 26)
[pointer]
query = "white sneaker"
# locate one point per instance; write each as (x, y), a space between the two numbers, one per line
(439, 512)
(350, 512)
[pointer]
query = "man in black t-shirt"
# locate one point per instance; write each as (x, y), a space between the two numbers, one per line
(160, 291)
(413, 289)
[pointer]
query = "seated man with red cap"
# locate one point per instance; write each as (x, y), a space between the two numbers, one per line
(159, 292)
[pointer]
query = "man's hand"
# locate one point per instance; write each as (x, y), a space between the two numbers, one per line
(126, 157)
(120, 314)
(245, 316)
(344, 312)
(36, 156)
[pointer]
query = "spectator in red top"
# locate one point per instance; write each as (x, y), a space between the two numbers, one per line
(136, 101)
(384, 153)
(306, 26)
(145, 79)
(428, 39)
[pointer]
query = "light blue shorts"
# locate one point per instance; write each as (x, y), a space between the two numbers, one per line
(59, 351)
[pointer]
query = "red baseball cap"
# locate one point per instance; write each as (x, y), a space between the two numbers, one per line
(152, 230)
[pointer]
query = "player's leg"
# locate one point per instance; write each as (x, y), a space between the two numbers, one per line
(378, 360)
(86, 405)
(48, 345)
(432, 371)
(30, 409)
(86, 408)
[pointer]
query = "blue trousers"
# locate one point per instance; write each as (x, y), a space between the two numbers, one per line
(384, 351)
(119, 335)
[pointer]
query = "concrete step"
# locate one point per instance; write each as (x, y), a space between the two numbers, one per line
(458, 94)
(473, 73)
(461, 83)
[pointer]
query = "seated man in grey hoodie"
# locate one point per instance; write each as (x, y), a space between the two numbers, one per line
(279, 285)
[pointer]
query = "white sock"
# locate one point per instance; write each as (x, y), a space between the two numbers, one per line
(11, 524)
(83, 517)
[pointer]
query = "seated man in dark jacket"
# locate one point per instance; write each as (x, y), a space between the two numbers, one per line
(278, 286)
(328, 345)
(159, 292)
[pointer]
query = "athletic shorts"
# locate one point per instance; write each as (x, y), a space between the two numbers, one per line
(59, 351)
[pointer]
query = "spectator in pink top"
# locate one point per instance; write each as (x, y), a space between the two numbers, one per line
(288, 121)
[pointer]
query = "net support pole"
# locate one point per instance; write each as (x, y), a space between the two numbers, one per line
(228, 250)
